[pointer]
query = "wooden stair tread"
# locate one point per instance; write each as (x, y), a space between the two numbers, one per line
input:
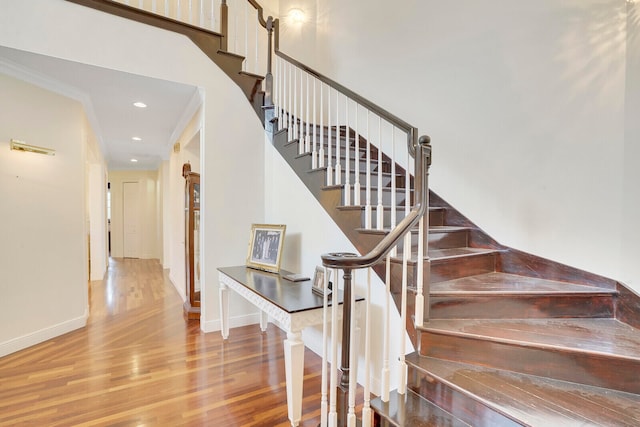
(604, 336)
(504, 283)
(533, 400)
(432, 229)
(412, 410)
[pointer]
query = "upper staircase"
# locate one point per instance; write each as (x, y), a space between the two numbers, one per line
(503, 338)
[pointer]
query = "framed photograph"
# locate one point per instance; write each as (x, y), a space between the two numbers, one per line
(265, 247)
(318, 282)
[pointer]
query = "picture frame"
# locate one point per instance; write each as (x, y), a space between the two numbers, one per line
(317, 286)
(265, 247)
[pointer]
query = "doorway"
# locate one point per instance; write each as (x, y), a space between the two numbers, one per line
(130, 219)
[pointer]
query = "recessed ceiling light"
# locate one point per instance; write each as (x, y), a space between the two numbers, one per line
(140, 104)
(136, 138)
(134, 160)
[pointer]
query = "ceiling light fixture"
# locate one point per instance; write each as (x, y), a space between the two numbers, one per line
(296, 16)
(136, 138)
(134, 160)
(140, 104)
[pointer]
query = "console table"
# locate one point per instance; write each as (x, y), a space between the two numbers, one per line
(292, 304)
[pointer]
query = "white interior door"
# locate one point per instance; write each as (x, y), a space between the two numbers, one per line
(131, 215)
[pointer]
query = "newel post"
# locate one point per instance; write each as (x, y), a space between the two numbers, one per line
(224, 25)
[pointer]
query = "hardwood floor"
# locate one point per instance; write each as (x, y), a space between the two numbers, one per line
(139, 363)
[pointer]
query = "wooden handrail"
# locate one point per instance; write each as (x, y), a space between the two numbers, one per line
(348, 261)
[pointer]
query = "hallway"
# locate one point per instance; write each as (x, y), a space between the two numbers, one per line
(138, 362)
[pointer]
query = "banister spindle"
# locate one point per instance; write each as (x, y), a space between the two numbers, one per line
(329, 156)
(394, 189)
(386, 371)
(307, 135)
(318, 152)
(347, 148)
(246, 37)
(333, 387)
(366, 409)
(380, 207)
(367, 207)
(325, 344)
(356, 158)
(338, 169)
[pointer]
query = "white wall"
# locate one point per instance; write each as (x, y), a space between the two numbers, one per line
(631, 195)
(525, 104)
(232, 154)
(43, 238)
(96, 198)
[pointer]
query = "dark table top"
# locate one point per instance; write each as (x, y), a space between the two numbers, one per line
(291, 297)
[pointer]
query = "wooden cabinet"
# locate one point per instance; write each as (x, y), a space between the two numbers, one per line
(192, 241)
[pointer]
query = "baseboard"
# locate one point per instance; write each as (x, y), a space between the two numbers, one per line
(180, 292)
(33, 338)
(234, 322)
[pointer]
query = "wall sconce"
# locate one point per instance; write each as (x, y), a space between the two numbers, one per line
(296, 16)
(21, 146)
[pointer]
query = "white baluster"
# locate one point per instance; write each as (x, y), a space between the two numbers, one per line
(333, 416)
(407, 183)
(347, 148)
(338, 169)
(325, 339)
(295, 109)
(212, 16)
(394, 207)
(356, 158)
(235, 27)
(380, 207)
(280, 88)
(329, 156)
(290, 106)
(353, 356)
(387, 333)
(366, 408)
(300, 114)
(154, 6)
(367, 206)
(166, 8)
(419, 302)
(201, 13)
(179, 11)
(246, 37)
(307, 140)
(256, 28)
(317, 158)
(189, 12)
(402, 375)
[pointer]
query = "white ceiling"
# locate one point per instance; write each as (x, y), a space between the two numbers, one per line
(108, 97)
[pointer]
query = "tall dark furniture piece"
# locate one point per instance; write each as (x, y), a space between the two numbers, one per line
(192, 241)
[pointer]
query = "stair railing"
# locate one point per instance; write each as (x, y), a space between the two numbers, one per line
(233, 19)
(374, 161)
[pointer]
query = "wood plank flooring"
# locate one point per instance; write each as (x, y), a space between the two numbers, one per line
(138, 362)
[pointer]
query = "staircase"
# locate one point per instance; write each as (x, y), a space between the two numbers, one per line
(507, 338)
(511, 339)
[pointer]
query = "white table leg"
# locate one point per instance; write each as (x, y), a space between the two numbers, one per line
(224, 311)
(264, 320)
(294, 370)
